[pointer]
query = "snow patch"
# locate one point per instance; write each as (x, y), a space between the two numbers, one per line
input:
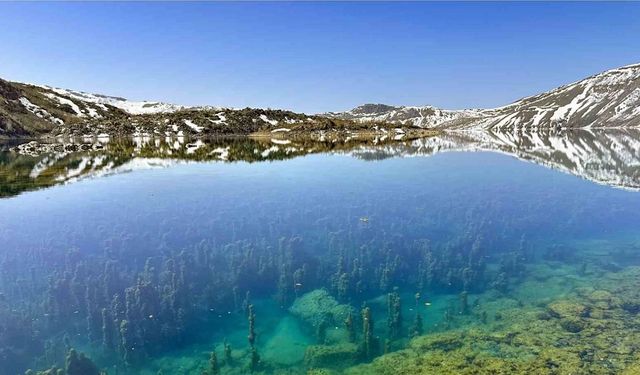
(266, 119)
(40, 112)
(268, 151)
(193, 126)
(130, 107)
(223, 152)
(193, 147)
(65, 101)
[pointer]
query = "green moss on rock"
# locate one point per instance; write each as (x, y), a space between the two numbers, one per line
(331, 356)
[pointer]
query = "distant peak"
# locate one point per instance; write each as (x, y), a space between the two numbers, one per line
(371, 108)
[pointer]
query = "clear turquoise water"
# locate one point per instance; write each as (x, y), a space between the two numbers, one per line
(189, 241)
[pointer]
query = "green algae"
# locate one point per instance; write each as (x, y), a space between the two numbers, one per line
(318, 306)
(535, 339)
(331, 356)
(529, 337)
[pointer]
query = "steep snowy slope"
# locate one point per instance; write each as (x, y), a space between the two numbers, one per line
(607, 100)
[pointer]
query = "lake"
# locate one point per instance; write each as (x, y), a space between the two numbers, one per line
(465, 253)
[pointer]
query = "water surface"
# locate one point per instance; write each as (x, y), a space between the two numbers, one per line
(297, 257)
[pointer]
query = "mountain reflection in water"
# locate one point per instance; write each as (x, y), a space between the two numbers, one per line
(609, 157)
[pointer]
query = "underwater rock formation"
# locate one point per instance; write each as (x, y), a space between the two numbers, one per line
(318, 308)
(78, 364)
(75, 364)
(531, 339)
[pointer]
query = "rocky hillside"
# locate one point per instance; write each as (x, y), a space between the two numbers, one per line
(425, 117)
(609, 99)
(606, 100)
(31, 111)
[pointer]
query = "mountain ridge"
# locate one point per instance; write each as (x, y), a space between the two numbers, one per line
(422, 116)
(610, 99)
(607, 99)
(30, 111)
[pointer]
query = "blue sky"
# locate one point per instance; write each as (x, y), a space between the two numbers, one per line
(315, 57)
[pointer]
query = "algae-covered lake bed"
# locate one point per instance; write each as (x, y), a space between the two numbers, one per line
(453, 254)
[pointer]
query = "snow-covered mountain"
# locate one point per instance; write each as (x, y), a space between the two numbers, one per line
(30, 110)
(425, 117)
(27, 110)
(607, 100)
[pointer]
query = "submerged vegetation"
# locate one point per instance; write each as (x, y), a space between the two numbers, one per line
(591, 330)
(371, 278)
(133, 317)
(363, 300)
(135, 314)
